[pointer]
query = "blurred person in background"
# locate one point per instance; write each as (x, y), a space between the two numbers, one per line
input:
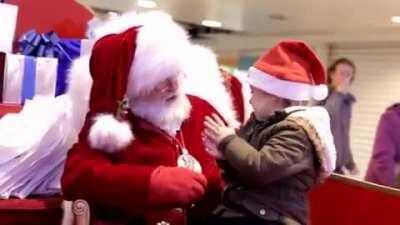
(384, 167)
(339, 104)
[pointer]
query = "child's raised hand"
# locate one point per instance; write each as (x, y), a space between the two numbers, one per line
(212, 148)
(216, 130)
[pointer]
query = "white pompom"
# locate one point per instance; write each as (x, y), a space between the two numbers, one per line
(319, 92)
(109, 135)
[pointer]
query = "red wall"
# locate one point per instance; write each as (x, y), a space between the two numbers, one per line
(66, 17)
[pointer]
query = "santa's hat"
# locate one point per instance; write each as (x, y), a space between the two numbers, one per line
(128, 64)
(290, 70)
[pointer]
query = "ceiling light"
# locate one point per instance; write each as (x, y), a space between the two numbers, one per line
(211, 23)
(148, 4)
(395, 19)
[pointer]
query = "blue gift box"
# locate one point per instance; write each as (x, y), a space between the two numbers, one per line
(50, 45)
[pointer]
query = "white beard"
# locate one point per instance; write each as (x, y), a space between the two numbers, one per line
(167, 116)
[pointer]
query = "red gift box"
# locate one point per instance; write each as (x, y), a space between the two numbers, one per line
(9, 108)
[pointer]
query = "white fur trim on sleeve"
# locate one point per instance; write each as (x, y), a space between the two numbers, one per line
(109, 135)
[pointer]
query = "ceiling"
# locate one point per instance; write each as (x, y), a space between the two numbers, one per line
(314, 16)
(302, 16)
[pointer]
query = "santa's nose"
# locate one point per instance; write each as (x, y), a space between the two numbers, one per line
(172, 85)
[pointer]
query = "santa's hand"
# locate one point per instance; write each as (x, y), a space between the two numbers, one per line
(212, 148)
(216, 130)
(175, 186)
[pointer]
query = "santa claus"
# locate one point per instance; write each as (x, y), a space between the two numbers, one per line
(140, 157)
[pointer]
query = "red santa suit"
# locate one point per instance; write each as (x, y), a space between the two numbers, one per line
(117, 164)
(120, 181)
(234, 87)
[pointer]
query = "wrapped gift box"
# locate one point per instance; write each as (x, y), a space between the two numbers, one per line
(7, 28)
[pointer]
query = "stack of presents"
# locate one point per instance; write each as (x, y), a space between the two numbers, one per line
(33, 80)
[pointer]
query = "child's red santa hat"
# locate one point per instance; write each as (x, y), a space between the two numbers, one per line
(290, 70)
(127, 64)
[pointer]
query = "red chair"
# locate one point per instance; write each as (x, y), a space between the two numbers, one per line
(338, 201)
(43, 211)
(345, 201)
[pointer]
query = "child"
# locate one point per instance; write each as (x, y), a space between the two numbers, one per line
(283, 150)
